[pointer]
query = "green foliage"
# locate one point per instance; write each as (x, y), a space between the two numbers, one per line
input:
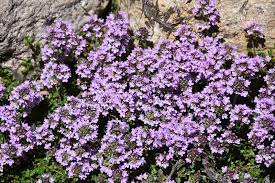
(35, 170)
(156, 175)
(99, 178)
(114, 6)
(11, 78)
(31, 66)
(56, 98)
(33, 45)
(8, 79)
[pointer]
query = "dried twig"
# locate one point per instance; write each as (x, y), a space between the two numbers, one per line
(267, 179)
(212, 175)
(175, 167)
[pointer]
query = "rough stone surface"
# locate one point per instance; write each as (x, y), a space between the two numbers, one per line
(235, 13)
(160, 16)
(21, 18)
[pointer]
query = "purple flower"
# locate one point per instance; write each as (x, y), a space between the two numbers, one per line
(179, 99)
(252, 28)
(2, 89)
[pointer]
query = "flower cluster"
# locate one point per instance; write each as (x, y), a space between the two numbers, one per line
(26, 96)
(2, 89)
(77, 124)
(121, 152)
(262, 133)
(253, 29)
(54, 74)
(114, 37)
(205, 10)
(180, 99)
(59, 42)
(20, 136)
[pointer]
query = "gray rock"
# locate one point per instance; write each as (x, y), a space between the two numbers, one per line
(234, 14)
(21, 18)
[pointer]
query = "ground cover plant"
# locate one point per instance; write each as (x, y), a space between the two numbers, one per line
(106, 105)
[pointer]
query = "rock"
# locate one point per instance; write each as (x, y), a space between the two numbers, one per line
(161, 16)
(21, 18)
(235, 13)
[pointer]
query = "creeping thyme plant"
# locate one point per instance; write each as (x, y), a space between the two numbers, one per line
(104, 109)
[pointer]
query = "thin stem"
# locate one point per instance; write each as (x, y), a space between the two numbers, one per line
(253, 47)
(175, 167)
